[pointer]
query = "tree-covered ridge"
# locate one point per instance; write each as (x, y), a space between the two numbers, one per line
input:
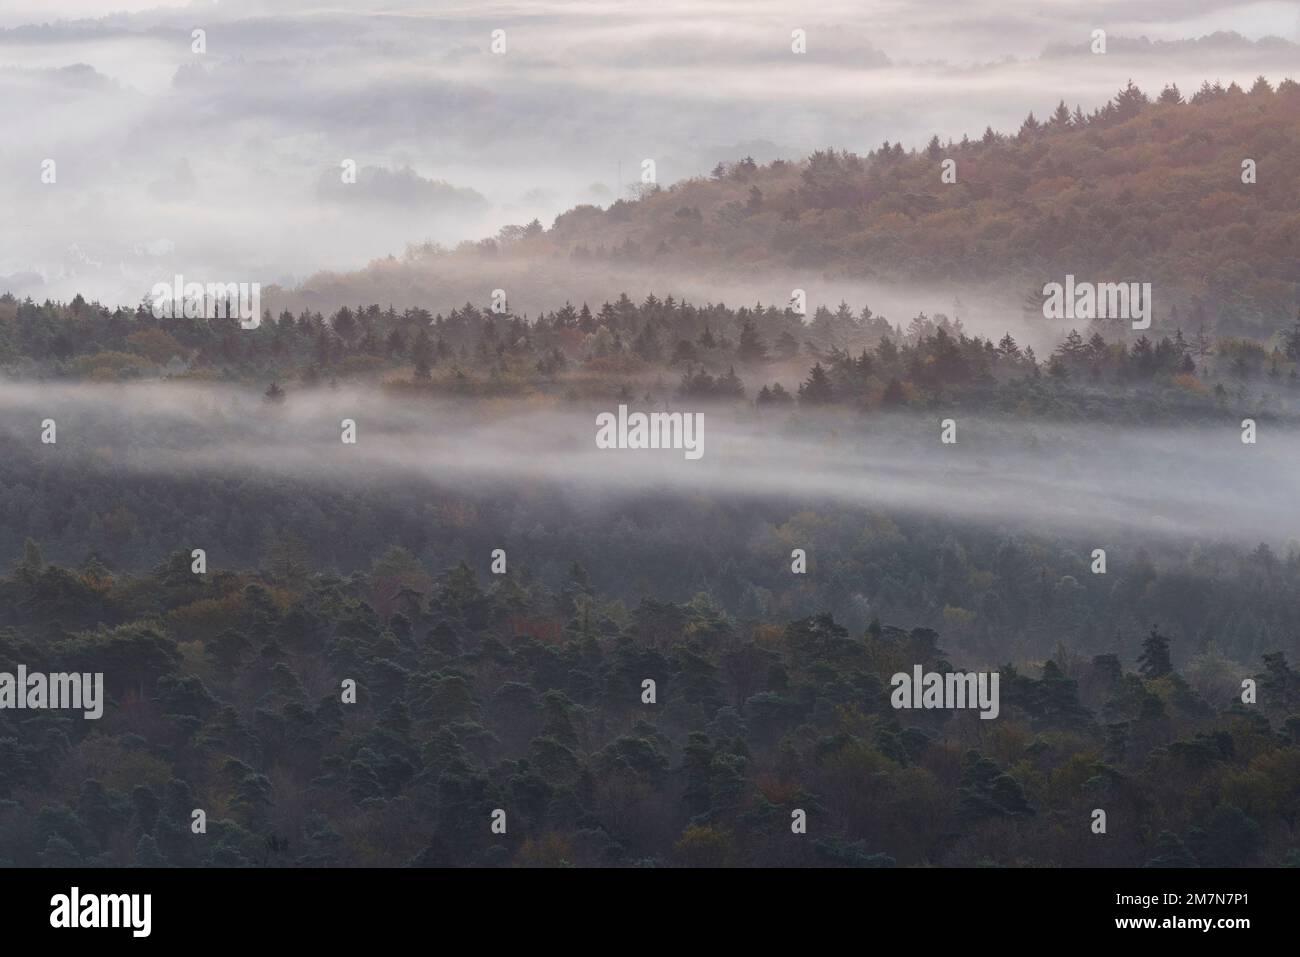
(225, 694)
(664, 349)
(1146, 188)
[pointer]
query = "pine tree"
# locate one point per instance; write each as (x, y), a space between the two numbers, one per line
(395, 344)
(729, 385)
(817, 389)
(894, 395)
(345, 325)
(751, 347)
(421, 354)
(1129, 102)
(1072, 348)
(1154, 662)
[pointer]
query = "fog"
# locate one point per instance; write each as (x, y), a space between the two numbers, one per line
(1098, 484)
(225, 165)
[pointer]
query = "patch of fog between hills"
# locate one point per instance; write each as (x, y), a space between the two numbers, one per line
(1193, 482)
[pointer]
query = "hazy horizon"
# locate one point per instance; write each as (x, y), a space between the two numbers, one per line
(240, 180)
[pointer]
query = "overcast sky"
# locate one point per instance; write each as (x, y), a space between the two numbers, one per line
(225, 165)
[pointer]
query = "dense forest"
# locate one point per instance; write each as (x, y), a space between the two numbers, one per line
(225, 696)
(523, 691)
(372, 655)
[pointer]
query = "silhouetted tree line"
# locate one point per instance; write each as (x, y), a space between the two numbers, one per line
(635, 351)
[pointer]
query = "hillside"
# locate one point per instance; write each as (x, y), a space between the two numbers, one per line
(1145, 189)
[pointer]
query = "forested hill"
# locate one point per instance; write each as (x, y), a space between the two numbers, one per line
(1148, 188)
(1139, 190)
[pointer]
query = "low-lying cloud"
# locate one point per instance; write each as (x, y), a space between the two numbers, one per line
(1094, 483)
